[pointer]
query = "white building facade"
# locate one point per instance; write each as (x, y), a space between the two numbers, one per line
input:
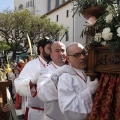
(37, 7)
(63, 15)
(60, 11)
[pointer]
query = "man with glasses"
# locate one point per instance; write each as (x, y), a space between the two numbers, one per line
(75, 89)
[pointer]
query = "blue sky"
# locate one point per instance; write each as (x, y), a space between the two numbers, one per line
(6, 4)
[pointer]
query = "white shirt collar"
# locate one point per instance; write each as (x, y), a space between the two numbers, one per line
(55, 65)
(78, 70)
(43, 61)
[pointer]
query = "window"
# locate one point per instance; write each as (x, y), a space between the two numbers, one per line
(63, 1)
(57, 18)
(57, 3)
(30, 4)
(49, 5)
(15, 8)
(20, 7)
(57, 37)
(33, 3)
(67, 13)
(67, 35)
(27, 5)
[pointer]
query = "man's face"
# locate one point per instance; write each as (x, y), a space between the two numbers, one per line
(46, 52)
(16, 71)
(78, 57)
(58, 53)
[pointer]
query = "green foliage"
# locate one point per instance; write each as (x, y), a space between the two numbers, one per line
(4, 46)
(82, 5)
(14, 27)
(107, 25)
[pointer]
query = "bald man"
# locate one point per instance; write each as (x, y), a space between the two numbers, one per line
(75, 89)
(46, 88)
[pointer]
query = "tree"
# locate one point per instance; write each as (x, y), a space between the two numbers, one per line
(4, 46)
(14, 27)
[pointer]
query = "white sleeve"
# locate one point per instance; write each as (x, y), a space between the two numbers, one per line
(46, 89)
(74, 105)
(22, 82)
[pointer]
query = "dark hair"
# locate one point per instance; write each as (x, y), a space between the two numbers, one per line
(42, 43)
(17, 68)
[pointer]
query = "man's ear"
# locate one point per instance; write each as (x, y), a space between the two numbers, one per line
(40, 49)
(67, 58)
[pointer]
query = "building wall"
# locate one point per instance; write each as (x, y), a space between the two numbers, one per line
(18, 2)
(27, 4)
(41, 7)
(53, 4)
(74, 24)
(37, 7)
(78, 28)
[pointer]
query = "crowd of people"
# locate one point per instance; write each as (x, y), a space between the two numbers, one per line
(54, 85)
(8, 72)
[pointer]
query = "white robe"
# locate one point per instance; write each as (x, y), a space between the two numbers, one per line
(23, 88)
(75, 100)
(47, 92)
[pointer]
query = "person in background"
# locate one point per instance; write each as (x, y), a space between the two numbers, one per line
(12, 77)
(9, 106)
(25, 84)
(15, 65)
(21, 64)
(75, 89)
(51, 108)
(3, 74)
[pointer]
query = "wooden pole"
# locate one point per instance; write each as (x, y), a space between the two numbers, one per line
(3, 96)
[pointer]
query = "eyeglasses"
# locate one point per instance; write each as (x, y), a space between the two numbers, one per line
(76, 55)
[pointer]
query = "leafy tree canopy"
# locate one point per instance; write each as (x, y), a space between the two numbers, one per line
(14, 27)
(4, 46)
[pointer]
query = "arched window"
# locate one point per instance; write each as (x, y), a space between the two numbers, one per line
(20, 7)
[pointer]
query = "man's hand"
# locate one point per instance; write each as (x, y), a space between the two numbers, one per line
(57, 73)
(6, 107)
(92, 85)
(64, 69)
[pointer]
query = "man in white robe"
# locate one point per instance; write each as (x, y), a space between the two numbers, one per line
(75, 90)
(25, 84)
(46, 88)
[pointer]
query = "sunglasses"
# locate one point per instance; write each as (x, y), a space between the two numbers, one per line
(76, 55)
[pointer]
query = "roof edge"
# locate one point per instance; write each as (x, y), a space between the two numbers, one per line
(58, 7)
